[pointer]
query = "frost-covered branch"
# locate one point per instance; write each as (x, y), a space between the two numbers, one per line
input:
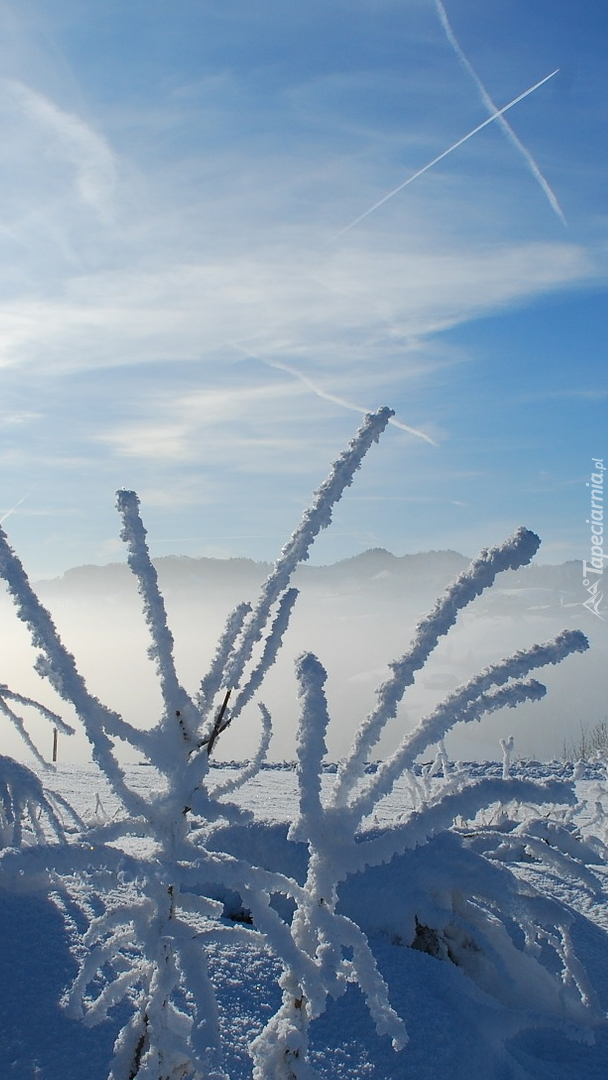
(59, 666)
(213, 679)
(551, 856)
(319, 933)
(514, 552)
(179, 709)
(254, 766)
(507, 746)
(226, 715)
(311, 747)
(17, 722)
(470, 702)
(466, 804)
(296, 550)
(23, 799)
(269, 655)
(315, 518)
(48, 714)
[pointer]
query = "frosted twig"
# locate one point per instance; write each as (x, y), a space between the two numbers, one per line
(296, 550)
(213, 679)
(423, 824)
(225, 716)
(18, 724)
(402, 760)
(59, 666)
(372, 984)
(53, 717)
(256, 762)
(514, 552)
(178, 705)
(515, 666)
(311, 748)
(506, 746)
(470, 702)
(269, 655)
(21, 792)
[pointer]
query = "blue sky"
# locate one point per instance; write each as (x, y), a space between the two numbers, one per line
(179, 315)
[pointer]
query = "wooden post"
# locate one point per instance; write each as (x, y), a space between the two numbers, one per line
(54, 744)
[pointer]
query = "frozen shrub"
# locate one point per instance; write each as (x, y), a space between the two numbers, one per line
(151, 915)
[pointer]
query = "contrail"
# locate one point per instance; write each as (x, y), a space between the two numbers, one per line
(330, 397)
(491, 107)
(13, 508)
(445, 153)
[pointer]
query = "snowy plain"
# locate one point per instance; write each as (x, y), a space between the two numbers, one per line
(457, 1031)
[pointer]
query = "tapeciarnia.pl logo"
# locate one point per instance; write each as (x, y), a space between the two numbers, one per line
(593, 570)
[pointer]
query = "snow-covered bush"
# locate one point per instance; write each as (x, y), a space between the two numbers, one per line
(171, 875)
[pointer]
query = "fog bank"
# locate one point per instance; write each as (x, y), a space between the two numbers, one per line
(356, 615)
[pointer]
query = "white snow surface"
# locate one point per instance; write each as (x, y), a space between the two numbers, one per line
(456, 1029)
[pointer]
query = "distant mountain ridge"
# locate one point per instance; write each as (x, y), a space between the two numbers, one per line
(372, 572)
(356, 615)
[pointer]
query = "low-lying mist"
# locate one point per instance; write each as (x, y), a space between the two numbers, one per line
(356, 615)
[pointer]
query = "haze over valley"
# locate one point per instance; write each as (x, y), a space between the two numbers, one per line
(356, 615)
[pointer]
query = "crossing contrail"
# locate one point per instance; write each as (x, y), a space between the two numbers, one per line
(331, 397)
(491, 107)
(495, 116)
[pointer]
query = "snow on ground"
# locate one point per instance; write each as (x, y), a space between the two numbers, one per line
(273, 793)
(457, 1032)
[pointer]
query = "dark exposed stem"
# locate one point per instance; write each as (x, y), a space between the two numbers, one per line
(139, 1049)
(218, 726)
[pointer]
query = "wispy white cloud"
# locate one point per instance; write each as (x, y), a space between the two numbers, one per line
(185, 491)
(243, 425)
(333, 304)
(17, 418)
(70, 137)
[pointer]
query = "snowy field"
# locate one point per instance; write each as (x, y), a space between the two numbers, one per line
(272, 794)
(456, 1029)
